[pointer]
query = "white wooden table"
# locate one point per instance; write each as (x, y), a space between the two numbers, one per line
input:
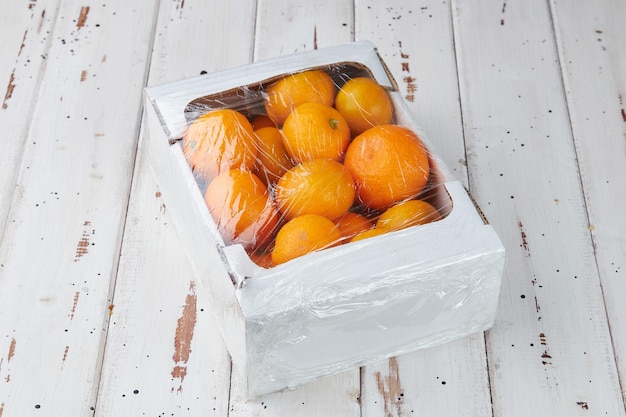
(99, 310)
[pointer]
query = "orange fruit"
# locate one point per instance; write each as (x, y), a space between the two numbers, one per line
(319, 186)
(303, 87)
(368, 233)
(219, 141)
(261, 121)
(389, 163)
(314, 130)
(304, 234)
(272, 159)
(351, 224)
(364, 103)
(242, 208)
(406, 214)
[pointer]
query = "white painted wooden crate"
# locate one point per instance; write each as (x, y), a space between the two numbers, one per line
(342, 307)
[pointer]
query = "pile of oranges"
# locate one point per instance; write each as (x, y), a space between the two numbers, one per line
(320, 167)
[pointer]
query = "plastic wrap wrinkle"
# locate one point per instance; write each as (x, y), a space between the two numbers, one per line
(385, 261)
(415, 319)
(342, 295)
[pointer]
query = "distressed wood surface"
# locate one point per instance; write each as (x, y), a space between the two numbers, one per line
(25, 38)
(60, 248)
(100, 313)
(593, 60)
(163, 355)
(550, 351)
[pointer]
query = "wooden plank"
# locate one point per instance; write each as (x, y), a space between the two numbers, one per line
(286, 27)
(60, 247)
(550, 350)
(450, 379)
(416, 42)
(593, 59)
(162, 340)
(309, 25)
(24, 36)
(163, 354)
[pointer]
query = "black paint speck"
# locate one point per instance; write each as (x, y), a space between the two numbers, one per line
(523, 296)
(37, 406)
(203, 72)
(136, 391)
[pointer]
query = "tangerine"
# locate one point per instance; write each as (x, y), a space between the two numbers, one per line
(218, 141)
(303, 87)
(260, 121)
(314, 130)
(242, 208)
(406, 214)
(364, 103)
(351, 224)
(318, 186)
(302, 235)
(389, 163)
(272, 159)
(368, 233)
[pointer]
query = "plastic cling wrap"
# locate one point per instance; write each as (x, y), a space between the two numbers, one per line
(308, 161)
(318, 217)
